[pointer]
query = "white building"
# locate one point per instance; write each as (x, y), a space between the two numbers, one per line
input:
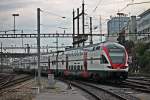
(143, 26)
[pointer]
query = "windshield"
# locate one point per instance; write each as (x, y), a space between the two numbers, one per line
(117, 54)
(117, 57)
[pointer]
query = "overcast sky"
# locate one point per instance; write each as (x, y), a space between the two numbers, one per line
(53, 10)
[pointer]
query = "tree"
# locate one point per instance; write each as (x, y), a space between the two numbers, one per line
(129, 45)
(143, 56)
(121, 38)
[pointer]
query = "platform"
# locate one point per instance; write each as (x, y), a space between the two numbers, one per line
(59, 92)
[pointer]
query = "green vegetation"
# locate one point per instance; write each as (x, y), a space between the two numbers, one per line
(143, 56)
(140, 53)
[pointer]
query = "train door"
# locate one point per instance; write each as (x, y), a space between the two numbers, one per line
(66, 70)
(66, 62)
(85, 60)
(49, 68)
(85, 73)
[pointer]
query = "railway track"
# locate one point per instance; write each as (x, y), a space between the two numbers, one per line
(137, 85)
(6, 79)
(145, 83)
(146, 79)
(100, 92)
(13, 82)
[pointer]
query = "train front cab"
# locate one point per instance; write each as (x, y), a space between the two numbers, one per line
(118, 57)
(113, 63)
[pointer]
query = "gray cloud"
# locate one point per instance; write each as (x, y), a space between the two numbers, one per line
(27, 10)
(9, 5)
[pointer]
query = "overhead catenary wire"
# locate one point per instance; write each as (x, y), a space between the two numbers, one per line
(48, 12)
(138, 3)
(133, 4)
(97, 5)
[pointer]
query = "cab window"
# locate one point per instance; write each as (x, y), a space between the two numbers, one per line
(103, 60)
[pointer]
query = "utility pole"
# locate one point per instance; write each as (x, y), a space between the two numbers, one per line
(22, 37)
(38, 46)
(57, 54)
(91, 41)
(73, 26)
(80, 38)
(1, 56)
(119, 23)
(100, 27)
(83, 20)
(78, 30)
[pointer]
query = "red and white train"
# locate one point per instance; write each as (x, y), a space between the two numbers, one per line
(101, 61)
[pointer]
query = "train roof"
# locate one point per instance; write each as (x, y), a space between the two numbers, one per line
(94, 45)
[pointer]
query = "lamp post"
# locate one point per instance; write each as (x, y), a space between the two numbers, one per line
(14, 21)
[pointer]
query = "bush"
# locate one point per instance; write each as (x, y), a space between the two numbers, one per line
(143, 56)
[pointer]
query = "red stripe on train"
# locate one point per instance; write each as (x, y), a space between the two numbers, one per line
(118, 66)
(115, 66)
(107, 53)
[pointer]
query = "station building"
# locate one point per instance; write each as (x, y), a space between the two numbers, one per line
(143, 26)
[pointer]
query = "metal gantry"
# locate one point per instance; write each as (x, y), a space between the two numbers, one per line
(67, 35)
(33, 47)
(46, 35)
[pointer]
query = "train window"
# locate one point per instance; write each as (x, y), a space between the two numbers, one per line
(74, 67)
(98, 48)
(78, 67)
(69, 68)
(81, 67)
(91, 60)
(93, 48)
(103, 60)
